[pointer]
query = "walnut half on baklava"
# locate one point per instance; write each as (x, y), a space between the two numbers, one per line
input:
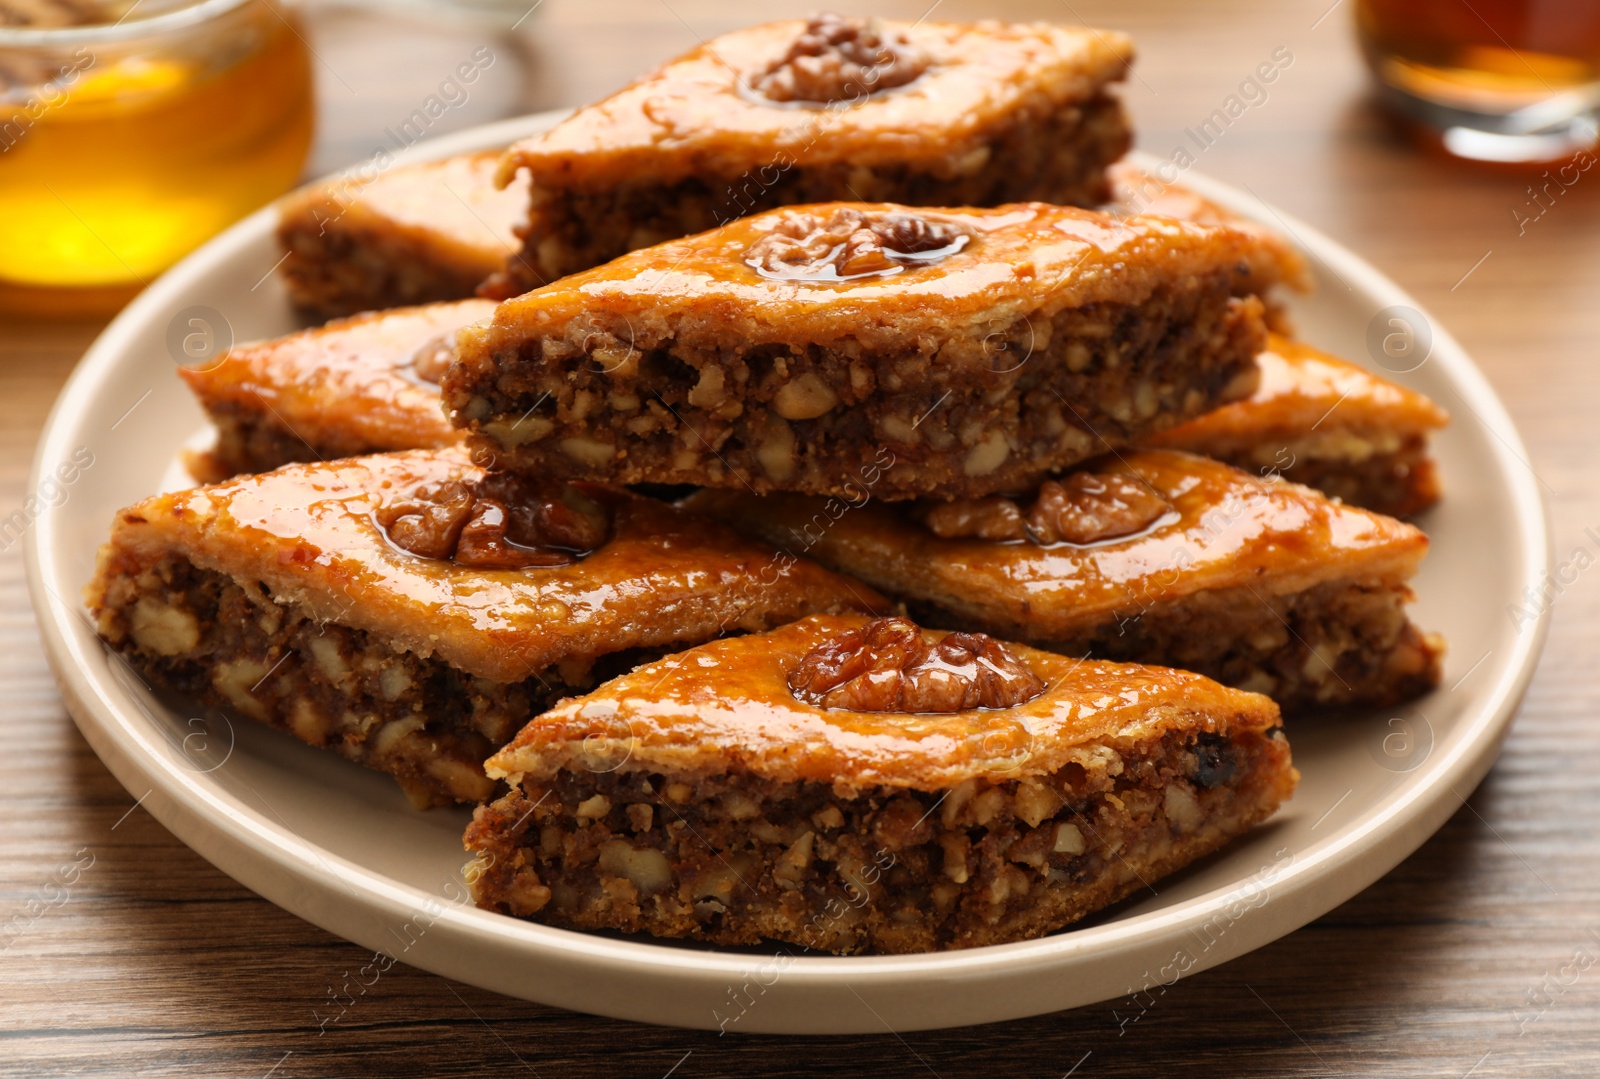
(936, 114)
(862, 786)
(411, 613)
(947, 353)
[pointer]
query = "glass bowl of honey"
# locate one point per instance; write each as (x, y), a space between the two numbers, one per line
(133, 130)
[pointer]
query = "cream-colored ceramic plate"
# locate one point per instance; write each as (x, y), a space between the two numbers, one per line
(337, 845)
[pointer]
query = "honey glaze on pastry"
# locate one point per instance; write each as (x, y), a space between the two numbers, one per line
(412, 234)
(796, 112)
(1326, 423)
(428, 363)
(356, 386)
(789, 350)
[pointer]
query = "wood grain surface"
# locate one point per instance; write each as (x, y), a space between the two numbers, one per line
(1477, 956)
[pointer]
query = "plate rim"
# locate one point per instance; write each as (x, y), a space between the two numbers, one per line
(248, 846)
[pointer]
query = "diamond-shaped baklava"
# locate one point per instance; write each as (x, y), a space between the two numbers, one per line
(856, 786)
(1151, 556)
(942, 353)
(412, 613)
(936, 114)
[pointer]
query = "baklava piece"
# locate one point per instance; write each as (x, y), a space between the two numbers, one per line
(862, 786)
(412, 613)
(945, 353)
(366, 384)
(410, 235)
(934, 114)
(1328, 424)
(1150, 557)
(370, 384)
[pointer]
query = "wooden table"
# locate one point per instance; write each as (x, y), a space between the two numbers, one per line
(1477, 956)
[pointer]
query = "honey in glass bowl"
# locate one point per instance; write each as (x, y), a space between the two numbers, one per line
(1495, 80)
(129, 139)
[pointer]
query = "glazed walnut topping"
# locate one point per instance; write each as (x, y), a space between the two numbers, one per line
(1085, 507)
(428, 363)
(976, 518)
(836, 58)
(497, 523)
(1089, 507)
(888, 666)
(853, 243)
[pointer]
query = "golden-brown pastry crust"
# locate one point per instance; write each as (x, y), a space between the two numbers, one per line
(1275, 263)
(1304, 389)
(351, 387)
(283, 598)
(1046, 335)
(1026, 257)
(727, 706)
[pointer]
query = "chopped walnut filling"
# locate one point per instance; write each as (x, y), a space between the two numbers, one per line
(497, 523)
(888, 666)
(428, 363)
(852, 244)
(1085, 507)
(836, 57)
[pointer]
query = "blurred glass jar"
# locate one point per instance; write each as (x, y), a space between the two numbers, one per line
(125, 144)
(1493, 80)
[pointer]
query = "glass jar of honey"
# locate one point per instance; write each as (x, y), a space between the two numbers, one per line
(131, 131)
